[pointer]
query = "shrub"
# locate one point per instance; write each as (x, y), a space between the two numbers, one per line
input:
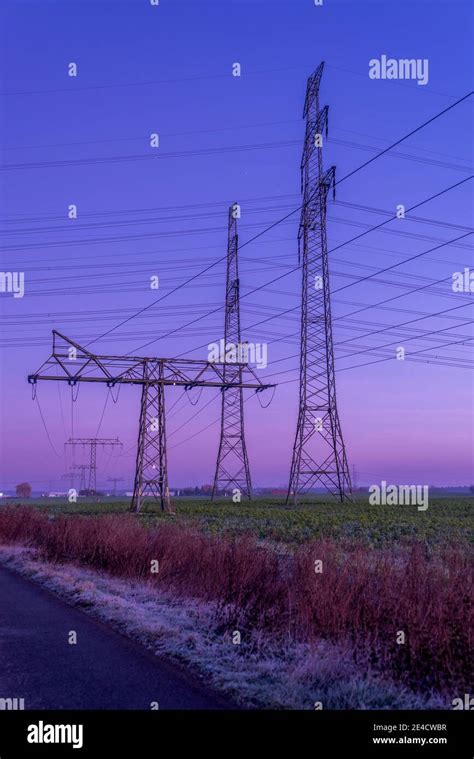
(362, 597)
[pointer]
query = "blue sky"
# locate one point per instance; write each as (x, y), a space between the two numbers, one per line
(168, 69)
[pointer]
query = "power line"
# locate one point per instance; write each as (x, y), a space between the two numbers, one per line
(252, 239)
(347, 368)
(46, 428)
(410, 134)
(357, 281)
(196, 152)
(177, 80)
(384, 301)
(217, 214)
(389, 328)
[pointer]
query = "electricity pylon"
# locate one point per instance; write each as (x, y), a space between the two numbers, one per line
(71, 363)
(83, 468)
(232, 467)
(70, 477)
(151, 469)
(92, 443)
(319, 455)
(115, 480)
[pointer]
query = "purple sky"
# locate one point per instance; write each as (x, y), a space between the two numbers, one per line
(168, 69)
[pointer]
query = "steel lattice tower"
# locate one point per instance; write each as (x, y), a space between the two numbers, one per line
(319, 455)
(151, 469)
(83, 468)
(92, 443)
(115, 480)
(232, 468)
(152, 374)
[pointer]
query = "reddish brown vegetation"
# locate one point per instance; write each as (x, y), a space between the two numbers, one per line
(362, 597)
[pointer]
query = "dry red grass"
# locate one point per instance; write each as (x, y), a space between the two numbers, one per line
(362, 597)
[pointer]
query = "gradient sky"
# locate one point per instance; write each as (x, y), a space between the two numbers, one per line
(168, 69)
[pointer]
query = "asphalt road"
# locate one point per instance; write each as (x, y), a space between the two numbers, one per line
(103, 671)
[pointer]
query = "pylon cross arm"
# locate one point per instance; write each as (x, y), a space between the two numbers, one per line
(71, 363)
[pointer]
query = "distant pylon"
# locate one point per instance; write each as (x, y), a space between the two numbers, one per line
(70, 477)
(319, 455)
(92, 443)
(355, 478)
(115, 480)
(83, 468)
(232, 468)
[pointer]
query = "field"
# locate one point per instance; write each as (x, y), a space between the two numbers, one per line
(384, 592)
(446, 521)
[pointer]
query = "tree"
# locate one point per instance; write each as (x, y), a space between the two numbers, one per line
(23, 490)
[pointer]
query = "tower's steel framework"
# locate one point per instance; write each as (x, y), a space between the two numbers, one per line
(92, 443)
(82, 468)
(232, 467)
(151, 468)
(72, 363)
(115, 480)
(70, 478)
(319, 455)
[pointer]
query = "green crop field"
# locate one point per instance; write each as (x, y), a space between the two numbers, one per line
(447, 520)
(308, 633)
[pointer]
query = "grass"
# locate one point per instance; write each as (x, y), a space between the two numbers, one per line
(362, 599)
(258, 673)
(446, 521)
(386, 569)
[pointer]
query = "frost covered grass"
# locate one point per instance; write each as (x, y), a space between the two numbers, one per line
(258, 673)
(448, 520)
(345, 596)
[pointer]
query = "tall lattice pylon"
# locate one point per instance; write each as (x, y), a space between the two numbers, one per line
(232, 468)
(319, 455)
(151, 469)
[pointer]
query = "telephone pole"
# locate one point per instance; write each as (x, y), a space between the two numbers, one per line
(232, 467)
(319, 455)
